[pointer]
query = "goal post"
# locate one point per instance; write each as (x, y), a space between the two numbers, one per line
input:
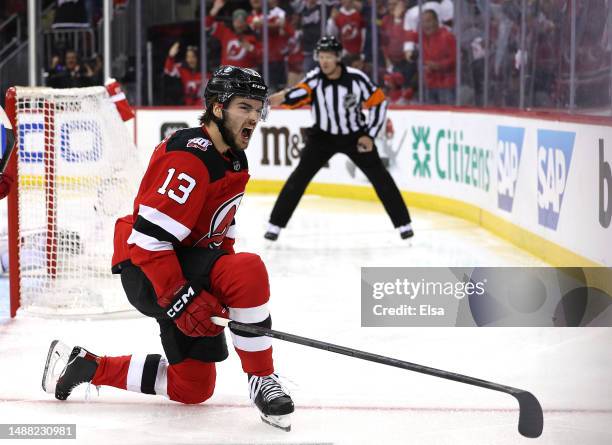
(76, 171)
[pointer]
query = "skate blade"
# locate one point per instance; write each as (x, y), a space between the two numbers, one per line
(57, 359)
(280, 422)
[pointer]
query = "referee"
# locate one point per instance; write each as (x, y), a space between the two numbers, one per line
(337, 94)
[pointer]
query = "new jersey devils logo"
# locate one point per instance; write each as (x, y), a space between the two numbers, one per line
(221, 220)
(235, 51)
(348, 31)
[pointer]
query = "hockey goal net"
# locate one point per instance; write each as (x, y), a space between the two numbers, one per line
(77, 171)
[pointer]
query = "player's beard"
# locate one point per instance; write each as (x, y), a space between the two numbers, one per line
(226, 134)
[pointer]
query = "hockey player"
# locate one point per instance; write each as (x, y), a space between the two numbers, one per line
(177, 263)
(337, 94)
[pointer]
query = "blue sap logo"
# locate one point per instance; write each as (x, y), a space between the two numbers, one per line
(509, 149)
(79, 141)
(554, 159)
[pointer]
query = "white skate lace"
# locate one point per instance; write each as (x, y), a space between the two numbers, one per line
(270, 387)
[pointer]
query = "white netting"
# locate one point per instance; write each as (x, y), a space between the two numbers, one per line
(78, 172)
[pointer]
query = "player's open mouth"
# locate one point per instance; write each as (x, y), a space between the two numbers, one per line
(246, 133)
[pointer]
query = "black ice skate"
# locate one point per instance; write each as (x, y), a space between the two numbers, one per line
(271, 236)
(274, 404)
(406, 231)
(407, 234)
(79, 367)
(272, 232)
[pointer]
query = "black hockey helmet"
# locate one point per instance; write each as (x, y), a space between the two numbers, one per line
(228, 81)
(329, 44)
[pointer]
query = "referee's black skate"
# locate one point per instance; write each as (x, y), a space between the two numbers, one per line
(273, 402)
(272, 232)
(406, 231)
(80, 367)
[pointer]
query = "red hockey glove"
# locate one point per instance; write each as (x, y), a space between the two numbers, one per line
(191, 308)
(5, 184)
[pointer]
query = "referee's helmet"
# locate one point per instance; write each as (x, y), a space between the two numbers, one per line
(328, 44)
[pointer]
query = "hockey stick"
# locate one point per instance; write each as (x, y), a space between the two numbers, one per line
(531, 418)
(10, 140)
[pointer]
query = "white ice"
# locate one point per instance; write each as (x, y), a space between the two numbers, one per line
(315, 277)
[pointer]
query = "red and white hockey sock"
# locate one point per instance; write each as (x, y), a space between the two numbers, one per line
(144, 373)
(255, 351)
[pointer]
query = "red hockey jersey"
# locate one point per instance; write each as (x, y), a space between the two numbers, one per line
(191, 80)
(351, 27)
(188, 197)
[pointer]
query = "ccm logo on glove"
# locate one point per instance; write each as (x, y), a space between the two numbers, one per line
(180, 303)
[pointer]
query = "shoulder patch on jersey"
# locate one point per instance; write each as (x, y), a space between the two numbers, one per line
(193, 140)
(201, 143)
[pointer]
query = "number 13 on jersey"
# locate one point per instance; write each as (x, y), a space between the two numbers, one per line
(185, 186)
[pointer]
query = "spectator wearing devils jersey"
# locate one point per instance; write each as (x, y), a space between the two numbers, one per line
(239, 45)
(279, 32)
(350, 27)
(177, 263)
(188, 72)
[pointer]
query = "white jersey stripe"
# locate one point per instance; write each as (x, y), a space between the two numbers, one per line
(148, 242)
(169, 224)
(329, 104)
(322, 109)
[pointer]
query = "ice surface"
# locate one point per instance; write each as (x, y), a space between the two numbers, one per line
(315, 277)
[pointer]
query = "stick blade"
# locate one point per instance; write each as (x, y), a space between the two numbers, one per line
(531, 417)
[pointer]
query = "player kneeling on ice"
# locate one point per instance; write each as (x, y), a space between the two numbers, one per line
(177, 264)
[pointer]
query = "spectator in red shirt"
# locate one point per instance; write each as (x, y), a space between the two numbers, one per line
(188, 72)
(439, 59)
(398, 44)
(239, 46)
(295, 52)
(349, 26)
(279, 32)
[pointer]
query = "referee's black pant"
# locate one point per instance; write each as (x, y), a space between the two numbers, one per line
(320, 147)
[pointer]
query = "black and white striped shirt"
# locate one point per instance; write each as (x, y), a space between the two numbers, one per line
(337, 105)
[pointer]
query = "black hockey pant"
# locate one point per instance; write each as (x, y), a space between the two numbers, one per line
(319, 149)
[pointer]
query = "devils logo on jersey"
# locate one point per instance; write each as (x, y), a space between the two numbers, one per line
(221, 221)
(235, 50)
(349, 31)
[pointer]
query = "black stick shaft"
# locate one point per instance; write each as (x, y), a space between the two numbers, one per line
(370, 357)
(531, 419)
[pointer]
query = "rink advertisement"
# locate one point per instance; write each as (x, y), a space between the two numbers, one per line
(526, 179)
(482, 297)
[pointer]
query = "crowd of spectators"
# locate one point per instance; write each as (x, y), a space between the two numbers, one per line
(295, 26)
(448, 29)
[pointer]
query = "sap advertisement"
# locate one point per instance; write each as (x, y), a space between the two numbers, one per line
(548, 178)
